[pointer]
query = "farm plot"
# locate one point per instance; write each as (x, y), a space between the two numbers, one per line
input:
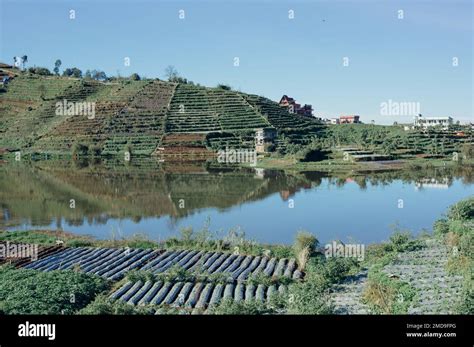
(233, 111)
(110, 263)
(183, 145)
(195, 297)
(17, 261)
(21, 124)
(140, 125)
(231, 140)
(190, 111)
(295, 128)
(113, 263)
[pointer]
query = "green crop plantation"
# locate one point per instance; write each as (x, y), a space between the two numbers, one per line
(139, 117)
(186, 121)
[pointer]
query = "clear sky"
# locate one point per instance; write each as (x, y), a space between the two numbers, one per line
(403, 60)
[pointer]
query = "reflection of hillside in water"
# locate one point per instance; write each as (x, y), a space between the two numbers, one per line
(41, 193)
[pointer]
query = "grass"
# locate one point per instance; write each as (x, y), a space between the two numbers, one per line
(386, 295)
(45, 237)
(457, 232)
(102, 305)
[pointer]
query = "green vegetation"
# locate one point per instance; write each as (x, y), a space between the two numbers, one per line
(153, 117)
(457, 231)
(311, 295)
(387, 295)
(304, 247)
(102, 305)
(56, 292)
(231, 307)
(45, 237)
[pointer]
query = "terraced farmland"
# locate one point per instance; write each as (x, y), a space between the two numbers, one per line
(295, 128)
(190, 111)
(194, 297)
(113, 263)
(202, 292)
(141, 116)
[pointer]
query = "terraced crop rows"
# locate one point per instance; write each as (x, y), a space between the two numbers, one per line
(297, 129)
(193, 296)
(110, 263)
(233, 111)
(113, 263)
(190, 111)
(141, 123)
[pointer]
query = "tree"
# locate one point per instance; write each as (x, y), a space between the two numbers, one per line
(224, 86)
(99, 75)
(171, 73)
(57, 64)
(24, 60)
(72, 72)
(135, 77)
(39, 71)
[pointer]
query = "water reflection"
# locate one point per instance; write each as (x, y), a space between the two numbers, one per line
(40, 194)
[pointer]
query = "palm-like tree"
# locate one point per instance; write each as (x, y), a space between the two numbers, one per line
(24, 60)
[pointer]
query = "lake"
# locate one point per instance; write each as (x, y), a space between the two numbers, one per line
(108, 199)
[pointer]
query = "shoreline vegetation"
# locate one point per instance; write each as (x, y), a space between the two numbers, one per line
(382, 293)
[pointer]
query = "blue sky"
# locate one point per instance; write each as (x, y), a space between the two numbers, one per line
(403, 60)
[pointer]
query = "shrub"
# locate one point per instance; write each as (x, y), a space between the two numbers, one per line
(387, 295)
(102, 305)
(304, 246)
(441, 227)
(25, 291)
(224, 87)
(79, 149)
(39, 71)
(463, 210)
(135, 77)
(231, 307)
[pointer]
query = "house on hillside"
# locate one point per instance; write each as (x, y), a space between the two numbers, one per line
(428, 122)
(264, 138)
(295, 108)
(352, 119)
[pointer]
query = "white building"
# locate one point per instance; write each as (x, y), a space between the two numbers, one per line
(427, 122)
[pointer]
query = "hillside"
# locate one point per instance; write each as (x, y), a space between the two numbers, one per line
(147, 117)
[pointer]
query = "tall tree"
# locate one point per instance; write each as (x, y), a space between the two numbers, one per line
(57, 64)
(171, 73)
(24, 60)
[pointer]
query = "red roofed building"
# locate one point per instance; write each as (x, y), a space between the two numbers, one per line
(349, 119)
(294, 107)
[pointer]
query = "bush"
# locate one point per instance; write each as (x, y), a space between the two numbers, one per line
(80, 149)
(304, 247)
(25, 291)
(231, 307)
(441, 227)
(463, 210)
(135, 77)
(102, 305)
(224, 87)
(39, 71)
(386, 295)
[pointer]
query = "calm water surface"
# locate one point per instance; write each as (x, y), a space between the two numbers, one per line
(269, 206)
